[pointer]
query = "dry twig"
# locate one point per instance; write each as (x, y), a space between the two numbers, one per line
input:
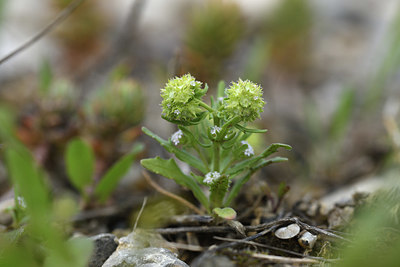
(187, 246)
(283, 260)
(60, 18)
(140, 213)
(171, 195)
(270, 247)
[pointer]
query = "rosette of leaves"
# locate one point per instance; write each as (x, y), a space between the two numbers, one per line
(213, 144)
(115, 108)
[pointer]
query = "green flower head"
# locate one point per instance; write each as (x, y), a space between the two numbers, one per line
(180, 97)
(243, 99)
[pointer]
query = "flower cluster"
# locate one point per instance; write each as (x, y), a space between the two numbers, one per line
(249, 150)
(179, 98)
(244, 99)
(211, 177)
(176, 137)
(215, 129)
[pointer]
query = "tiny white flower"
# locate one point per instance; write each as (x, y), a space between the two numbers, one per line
(249, 150)
(21, 202)
(176, 137)
(255, 98)
(211, 177)
(177, 112)
(215, 129)
(220, 98)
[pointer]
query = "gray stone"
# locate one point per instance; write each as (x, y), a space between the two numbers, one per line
(212, 260)
(148, 257)
(143, 248)
(104, 246)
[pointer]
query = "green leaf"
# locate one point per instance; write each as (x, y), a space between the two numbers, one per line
(250, 163)
(29, 183)
(266, 162)
(76, 252)
(46, 77)
(79, 160)
(200, 117)
(198, 178)
(169, 169)
(179, 153)
(110, 180)
(342, 115)
(218, 190)
(221, 89)
(240, 182)
(193, 138)
(283, 189)
(225, 213)
(236, 188)
(248, 130)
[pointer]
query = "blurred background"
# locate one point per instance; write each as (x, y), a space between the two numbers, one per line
(330, 70)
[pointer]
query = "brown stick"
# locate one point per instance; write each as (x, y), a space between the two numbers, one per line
(187, 247)
(270, 247)
(60, 18)
(171, 195)
(280, 259)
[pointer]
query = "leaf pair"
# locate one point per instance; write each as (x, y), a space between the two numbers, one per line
(80, 163)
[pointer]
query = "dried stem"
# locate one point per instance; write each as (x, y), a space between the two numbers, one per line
(60, 18)
(171, 195)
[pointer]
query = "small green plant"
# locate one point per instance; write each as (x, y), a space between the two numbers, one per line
(217, 133)
(39, 235)
(80, 163)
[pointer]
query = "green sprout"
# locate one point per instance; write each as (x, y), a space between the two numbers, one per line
(211, 139)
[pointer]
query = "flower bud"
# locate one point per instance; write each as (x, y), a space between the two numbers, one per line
(244, 99)
(249, 150)
(176, 137)
(179, 97)
(211, 177)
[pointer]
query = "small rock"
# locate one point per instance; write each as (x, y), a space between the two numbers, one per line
(149, 257)
(307, 240)
(143, 248)
(3, 228)
(288, 232)
(5, 214)
(239, 228)
(340, 217)
(212, 260)
(104, 246)
(143, 239)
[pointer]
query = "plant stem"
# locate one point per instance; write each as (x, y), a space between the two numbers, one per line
(236, 188)
(216, 156)
(228, 165)
(202, 157)
(204, 105)
(226, 126)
